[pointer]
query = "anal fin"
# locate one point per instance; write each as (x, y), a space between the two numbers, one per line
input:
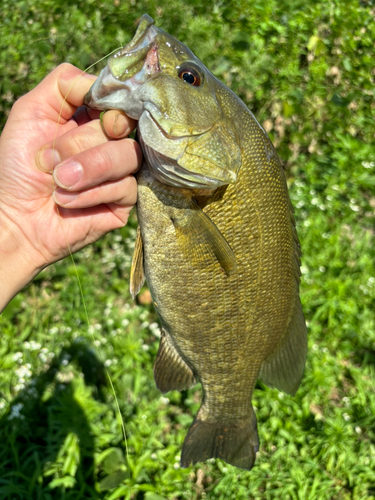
(283, 369)
(171, 373)
(137, 274)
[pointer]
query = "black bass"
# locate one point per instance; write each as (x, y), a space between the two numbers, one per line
(216, 240)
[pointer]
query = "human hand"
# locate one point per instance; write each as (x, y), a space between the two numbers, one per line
(37, 141)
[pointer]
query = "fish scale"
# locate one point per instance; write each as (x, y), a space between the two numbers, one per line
(216, 240)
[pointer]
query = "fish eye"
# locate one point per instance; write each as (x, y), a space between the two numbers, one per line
(190, 75)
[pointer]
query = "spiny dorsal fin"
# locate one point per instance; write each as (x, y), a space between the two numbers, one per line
(284, 367)
(137, 274)
(201, 241)
(171, 373)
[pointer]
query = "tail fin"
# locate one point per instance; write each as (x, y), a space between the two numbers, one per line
(236, 443)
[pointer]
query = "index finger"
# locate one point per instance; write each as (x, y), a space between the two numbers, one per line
(60, 93)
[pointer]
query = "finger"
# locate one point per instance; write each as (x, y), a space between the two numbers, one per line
(107, 162)
(117, 124)
(71, 143)
(59, 94)
(82, 138)
(99, 220)
(122, 192)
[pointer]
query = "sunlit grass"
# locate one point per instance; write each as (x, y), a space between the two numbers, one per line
(306, 70)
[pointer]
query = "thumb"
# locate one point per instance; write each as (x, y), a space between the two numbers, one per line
(59, 94)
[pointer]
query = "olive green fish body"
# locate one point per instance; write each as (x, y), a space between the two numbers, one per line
(216, 243)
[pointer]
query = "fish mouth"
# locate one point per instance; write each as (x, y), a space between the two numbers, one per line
(126, 71)
(159, 118)
(165, 141)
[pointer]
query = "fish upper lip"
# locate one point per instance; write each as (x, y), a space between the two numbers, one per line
(152, 109)
(146, 41)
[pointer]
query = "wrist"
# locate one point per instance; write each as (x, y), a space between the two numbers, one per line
(17, 267)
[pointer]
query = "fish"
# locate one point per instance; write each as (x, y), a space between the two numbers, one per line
(216, 240)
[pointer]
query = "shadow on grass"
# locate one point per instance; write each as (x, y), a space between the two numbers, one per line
(50, 418)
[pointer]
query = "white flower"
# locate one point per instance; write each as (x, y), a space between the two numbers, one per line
(304, 269)
(176, 466)
(15, 411)
(42, 357)
(155, 330)
(107, 362)
(24, 371)
(17, 355)
(34, 346)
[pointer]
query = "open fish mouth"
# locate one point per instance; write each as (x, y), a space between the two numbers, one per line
(126, 71)
(139, 52)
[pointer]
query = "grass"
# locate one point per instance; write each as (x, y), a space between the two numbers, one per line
(306, 71)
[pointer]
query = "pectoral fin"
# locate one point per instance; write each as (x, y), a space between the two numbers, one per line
(137, 274)
(202, 242)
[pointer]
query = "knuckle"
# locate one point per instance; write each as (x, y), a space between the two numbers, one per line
(64, 67)
(80, 141)
(104, 160)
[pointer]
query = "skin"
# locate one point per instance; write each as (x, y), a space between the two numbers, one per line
(84, 174)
